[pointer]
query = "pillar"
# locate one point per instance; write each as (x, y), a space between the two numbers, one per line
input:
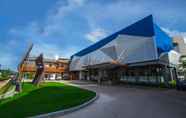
(80, 75)
(100, 75)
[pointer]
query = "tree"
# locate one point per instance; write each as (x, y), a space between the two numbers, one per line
(5, 74)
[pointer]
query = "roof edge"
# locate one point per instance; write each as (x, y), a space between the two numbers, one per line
(111, 37)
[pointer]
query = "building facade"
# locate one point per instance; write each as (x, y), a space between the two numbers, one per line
(180, 45)
(141, 52)
(53, 69)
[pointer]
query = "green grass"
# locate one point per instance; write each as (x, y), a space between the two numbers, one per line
(48, 97)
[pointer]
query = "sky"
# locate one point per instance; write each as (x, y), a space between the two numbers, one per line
(60, 28)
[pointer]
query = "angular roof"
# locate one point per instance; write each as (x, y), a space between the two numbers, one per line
(144, 27)
(163, 42)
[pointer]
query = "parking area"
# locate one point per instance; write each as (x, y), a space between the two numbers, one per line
(123, 101)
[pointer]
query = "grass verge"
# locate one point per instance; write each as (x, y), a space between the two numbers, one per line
(48, 97)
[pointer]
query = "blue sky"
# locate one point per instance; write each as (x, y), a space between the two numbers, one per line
(63, 27)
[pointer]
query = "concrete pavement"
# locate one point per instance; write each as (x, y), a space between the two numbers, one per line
(131, 102)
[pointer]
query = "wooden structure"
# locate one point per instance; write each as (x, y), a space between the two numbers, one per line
(20, 67)
(53, 69)
(39, 71)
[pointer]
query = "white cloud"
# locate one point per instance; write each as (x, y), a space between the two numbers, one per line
(54, 20)
(50, 51)
(108, 15)
(96, 35)
(42, 34)
(175, 33)
(79, 2)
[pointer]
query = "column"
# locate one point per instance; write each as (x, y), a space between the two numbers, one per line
(80, 75)
(100, 74)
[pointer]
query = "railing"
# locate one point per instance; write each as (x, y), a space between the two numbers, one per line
(47, 69)
(54, 69)
(146, 79)
(28, 69)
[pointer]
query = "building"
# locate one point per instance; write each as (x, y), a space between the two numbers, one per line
(53, 69)
(180, 45)
(141, 52)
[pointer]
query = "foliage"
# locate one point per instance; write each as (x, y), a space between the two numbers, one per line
(184, 64)
(183, 61)
(173, 83)
(48, 97)
(5, 74)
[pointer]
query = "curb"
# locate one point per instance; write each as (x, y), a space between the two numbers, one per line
(63, 112)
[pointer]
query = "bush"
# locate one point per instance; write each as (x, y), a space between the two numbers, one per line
(173, 83)
(5, 74)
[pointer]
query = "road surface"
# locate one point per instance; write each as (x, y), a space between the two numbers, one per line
(132, 102)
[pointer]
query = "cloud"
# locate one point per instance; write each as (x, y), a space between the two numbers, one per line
(109, 17)
(96, 35)
(47, 35)
(55, 18)
(175, 33)
(72, 25)
(79, 2)
(53, 23)
(50, 51)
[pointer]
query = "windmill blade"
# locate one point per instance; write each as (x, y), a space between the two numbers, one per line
(25, 56)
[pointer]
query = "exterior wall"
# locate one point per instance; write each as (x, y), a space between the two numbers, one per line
(147, 74)
(123, 50)
(142, 43)
(172, 58)
(54, 69)
(181, 45)
(74, 75)
(129, 50)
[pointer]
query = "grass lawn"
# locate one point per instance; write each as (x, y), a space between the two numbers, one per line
(48, 97)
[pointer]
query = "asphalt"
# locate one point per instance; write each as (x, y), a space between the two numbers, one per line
(123, 101)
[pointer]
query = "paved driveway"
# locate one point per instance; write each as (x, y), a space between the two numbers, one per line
(133, 102)
(2, 83)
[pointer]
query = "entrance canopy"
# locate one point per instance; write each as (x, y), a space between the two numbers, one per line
(103, 66)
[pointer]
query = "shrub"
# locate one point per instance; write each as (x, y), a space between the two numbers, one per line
(5, 74)
(173, 83)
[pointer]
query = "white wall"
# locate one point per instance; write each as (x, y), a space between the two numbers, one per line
(174, 57)
(124, 49)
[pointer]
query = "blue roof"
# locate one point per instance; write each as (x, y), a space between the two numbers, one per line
(163, 41)
(144, 27)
